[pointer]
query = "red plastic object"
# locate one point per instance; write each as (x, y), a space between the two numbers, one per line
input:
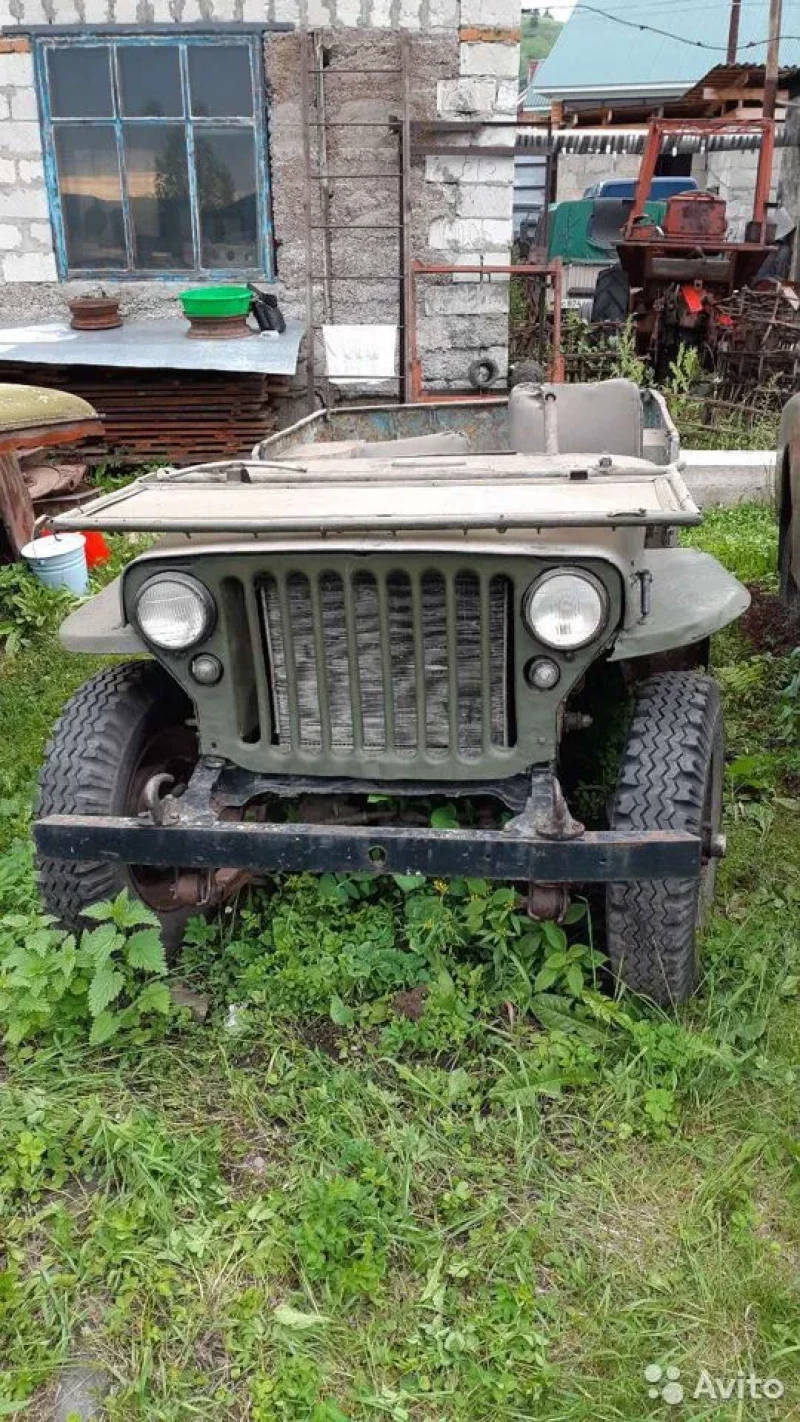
(693, 298)
(97, 550)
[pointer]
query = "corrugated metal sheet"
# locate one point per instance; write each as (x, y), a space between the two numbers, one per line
(594, 53)
(535, 102)
(605, 141)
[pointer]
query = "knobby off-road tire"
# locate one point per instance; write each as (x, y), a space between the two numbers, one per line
(122, 726)
(612, 296)
(670, 778)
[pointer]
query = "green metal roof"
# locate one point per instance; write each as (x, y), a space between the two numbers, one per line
(595, 53)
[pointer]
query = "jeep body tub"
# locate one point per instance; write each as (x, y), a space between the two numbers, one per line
(367, 630)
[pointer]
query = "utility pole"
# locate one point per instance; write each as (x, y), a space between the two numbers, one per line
(771, 71)
(733, 32)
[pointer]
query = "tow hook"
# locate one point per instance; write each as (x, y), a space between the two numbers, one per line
(155, 801)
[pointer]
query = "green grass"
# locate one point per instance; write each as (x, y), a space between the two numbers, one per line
(317, 1207)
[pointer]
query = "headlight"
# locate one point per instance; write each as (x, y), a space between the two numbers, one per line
(565, 610)
(175, 611)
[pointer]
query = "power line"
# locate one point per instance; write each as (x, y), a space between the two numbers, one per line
(680, 39)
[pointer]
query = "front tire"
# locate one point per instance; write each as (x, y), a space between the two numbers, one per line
(121, 727)
(670, 778)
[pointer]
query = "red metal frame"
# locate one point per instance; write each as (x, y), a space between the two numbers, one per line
(662, 128)
(551, 270)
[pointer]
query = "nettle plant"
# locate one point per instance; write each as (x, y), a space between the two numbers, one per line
(107, 979)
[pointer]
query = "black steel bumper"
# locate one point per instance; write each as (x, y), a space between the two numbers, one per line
(442, 854)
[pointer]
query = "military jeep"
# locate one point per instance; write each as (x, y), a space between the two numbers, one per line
(391, 607)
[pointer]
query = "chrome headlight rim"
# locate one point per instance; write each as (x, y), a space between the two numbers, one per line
(579, 574)
(192, 585)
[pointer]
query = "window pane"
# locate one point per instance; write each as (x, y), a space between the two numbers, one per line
(80, 82)
(149, 81)
(158, 193)
(88, 175)
(226, 187)
(220, 80)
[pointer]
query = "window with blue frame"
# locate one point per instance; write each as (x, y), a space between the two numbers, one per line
(156, 155)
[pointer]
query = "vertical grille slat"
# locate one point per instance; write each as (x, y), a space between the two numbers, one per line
(418, 624)
(353, 669)
(287, 682)
(385, 626)
(451, 635)
(486, 664)
(318, 588)
(401, 663)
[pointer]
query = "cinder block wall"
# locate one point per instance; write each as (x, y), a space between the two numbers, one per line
(464, 65)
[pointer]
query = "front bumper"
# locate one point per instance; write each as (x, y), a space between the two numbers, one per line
(442, 854)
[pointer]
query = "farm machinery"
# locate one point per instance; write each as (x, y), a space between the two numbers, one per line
(675, 277)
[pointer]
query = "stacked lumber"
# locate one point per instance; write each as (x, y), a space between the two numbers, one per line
(163, 416)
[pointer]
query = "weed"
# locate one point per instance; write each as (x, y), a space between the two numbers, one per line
(438, 1171)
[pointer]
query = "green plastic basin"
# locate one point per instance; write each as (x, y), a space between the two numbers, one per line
(216, 301)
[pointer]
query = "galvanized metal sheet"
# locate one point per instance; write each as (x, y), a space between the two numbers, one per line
(147, 345)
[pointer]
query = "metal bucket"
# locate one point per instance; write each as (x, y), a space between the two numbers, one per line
(59, 561)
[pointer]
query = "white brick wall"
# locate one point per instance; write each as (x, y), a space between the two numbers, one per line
(469, 234)
(502, 60)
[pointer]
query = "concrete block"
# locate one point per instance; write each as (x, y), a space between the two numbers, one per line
(488, 171)
(461, 234)
(495, 137)
(452, 365)
(348, 12)
(30, 170)
(479, 200)
(466, 96)
(43, 233)
(34, 12)
(20, 138)
(10, 236)
(96, 12)
(468, 298)
(499, 60)
(729, 476)
(254, 11)
(443, 14)
(506, 96)
(30, 266)
(497, 14)
(125, 12)
(24, 105)
(410, 18)
(8, 172)
(25, 202)
(16, 69)
(501, 258)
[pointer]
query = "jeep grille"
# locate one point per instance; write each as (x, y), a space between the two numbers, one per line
(393, 662)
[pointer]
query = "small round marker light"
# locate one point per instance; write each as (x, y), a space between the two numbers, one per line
(206, 670)
(543, 674)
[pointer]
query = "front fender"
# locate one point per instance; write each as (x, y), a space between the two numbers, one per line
(692, 596)
(99, 625)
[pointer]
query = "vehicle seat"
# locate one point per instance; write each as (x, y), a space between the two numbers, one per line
(600, 418)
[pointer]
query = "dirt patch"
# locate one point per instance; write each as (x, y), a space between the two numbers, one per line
(410, 1004)
(768, 624)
